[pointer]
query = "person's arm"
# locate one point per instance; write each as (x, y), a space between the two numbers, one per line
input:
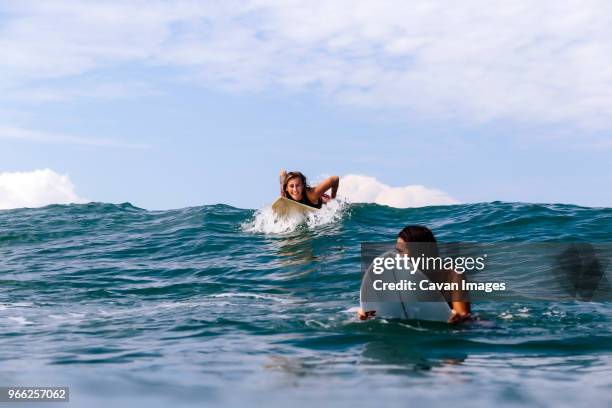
(460, 305)
(331, 182)
(365, 315)
(283, 174)
(460, 312)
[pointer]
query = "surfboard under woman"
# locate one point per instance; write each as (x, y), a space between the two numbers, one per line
(294, 186)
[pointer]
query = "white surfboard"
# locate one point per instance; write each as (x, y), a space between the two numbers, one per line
(405, 306)
(284, 206)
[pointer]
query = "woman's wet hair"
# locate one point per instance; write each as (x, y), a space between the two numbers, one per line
(420, 240)
(294, 174)
(416, 233)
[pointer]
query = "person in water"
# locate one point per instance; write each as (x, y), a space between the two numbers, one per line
(457, 300)
(295, 187)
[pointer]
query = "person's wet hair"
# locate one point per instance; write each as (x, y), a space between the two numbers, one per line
(416, 233)
(420, 240)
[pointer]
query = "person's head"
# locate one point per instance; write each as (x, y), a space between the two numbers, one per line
(295, 185)
(416, 238)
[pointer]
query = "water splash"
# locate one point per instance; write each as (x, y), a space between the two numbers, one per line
(267, 222)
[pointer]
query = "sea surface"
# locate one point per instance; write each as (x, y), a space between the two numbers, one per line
(216, 305)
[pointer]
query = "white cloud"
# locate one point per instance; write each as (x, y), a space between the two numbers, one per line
(365, 189)
(36, 189)
(541, 62)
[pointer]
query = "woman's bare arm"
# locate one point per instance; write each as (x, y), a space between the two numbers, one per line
(460, 312)
(460, 304)
(462, 308)
(365, 315)
(283, 174)
(331, 182)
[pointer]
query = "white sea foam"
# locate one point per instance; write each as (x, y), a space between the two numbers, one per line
(267, 222)
(316, 323)
(252, 295)
(5, 306)
(69, 318)
(19, 320)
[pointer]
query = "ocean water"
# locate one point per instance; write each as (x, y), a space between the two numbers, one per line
(216, 305)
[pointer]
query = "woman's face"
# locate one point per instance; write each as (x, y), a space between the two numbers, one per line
(295, 188)
(401, 246)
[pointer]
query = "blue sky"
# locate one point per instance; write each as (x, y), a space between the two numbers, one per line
(187, 103)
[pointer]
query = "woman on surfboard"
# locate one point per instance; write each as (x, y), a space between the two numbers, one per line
(295, 187)
(416, 238)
